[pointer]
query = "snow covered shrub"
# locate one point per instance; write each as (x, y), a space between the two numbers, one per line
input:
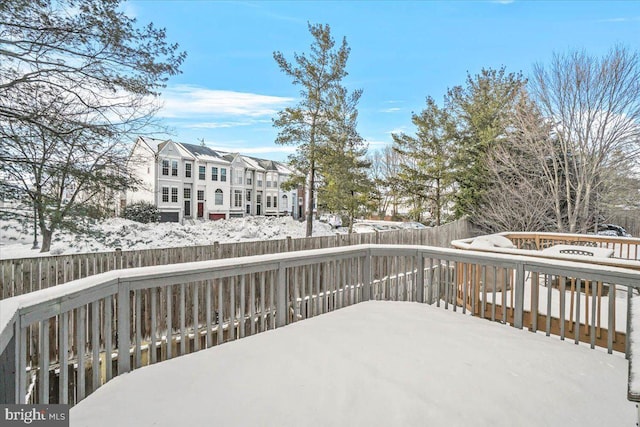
(143, 212)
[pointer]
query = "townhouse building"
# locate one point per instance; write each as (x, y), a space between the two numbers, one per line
(187, 181)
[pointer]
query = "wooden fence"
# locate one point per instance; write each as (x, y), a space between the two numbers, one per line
(20, 276)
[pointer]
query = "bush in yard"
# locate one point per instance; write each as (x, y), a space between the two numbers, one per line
(143, 212)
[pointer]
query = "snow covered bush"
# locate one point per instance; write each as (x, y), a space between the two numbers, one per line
(143, 212)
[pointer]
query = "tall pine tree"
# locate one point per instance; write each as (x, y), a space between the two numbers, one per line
(427, 177)
(481, 110)
(307, 125)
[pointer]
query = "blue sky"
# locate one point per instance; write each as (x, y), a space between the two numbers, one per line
(401, 52)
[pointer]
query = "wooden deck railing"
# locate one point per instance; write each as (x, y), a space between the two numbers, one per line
(92, 329)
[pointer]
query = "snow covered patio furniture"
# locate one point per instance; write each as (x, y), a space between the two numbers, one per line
(62, 344)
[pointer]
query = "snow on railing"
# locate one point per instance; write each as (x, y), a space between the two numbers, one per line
(92, 329)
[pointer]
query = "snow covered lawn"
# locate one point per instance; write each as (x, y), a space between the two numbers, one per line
(16, 239)
(374, 364)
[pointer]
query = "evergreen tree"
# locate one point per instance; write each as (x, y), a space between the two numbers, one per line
(481, 110)
(307, 125)
(425, 175)
(345, 186)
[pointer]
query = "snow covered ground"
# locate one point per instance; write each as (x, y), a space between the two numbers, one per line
(374, 364)
(16, 239)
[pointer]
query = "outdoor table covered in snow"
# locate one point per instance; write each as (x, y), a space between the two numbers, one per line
(578, 250)
(374, 364)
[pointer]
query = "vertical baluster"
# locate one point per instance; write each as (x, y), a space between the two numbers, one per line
(232, 309)
(263, 298)
(562, 314)
(430, 283)
(535, 290)
(446, 285)
(220, 322)
(108, 333)
(43, 373)
(272, 298)
(80, 337)
(196, 316)
(506, 282)
(548, 319)
(295, 288)
(63, 379)
(243, 301)
(593, 313)
(577, 324)
(169, 293)
(153, 350)
(484, 292)
(252, 304)
(138, 323)
(494, 303)
(611, 328)
(465, 277)
(183, 320)
(207, 301)
(317, 286)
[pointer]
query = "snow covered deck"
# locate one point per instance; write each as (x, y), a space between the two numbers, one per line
(374, 363)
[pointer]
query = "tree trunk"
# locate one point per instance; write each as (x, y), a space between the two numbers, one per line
(312, 173)
(46, 239)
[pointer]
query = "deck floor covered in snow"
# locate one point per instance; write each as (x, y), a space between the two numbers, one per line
(374, 364)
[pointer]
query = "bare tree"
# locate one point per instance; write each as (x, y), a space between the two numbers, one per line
(593, 107)
(77, 80)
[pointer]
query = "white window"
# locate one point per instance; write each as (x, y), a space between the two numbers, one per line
(285, 202)
(239, 176)
(223, 174)
(165, 194)
(237, 198)
(248, 196)
(219, 197)
(202, 171)
(174, 168)
(187, 170)
(214, 174)
(200, 195)
(174, 194)
(275, 201)
(187, 193)
(165, 167)
(268, 201)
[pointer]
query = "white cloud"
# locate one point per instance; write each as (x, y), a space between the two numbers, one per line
(187, 101)
(375, 144)
(223, 125)
(390, 110)
(400, 129)
(503, 1)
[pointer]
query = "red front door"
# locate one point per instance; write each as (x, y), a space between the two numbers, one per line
(200, 209)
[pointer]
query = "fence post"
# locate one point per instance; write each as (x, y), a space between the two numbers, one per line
(281, 299)
(366, 277)
(119, 258)
(519, 296)
(419, 277)
(124, 326)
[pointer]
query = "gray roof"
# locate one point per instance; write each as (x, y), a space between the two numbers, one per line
(200, 150)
